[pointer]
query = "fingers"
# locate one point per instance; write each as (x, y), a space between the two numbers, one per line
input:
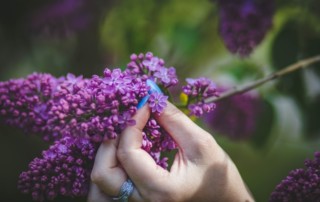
(96, 195)
(107, 176)
(138, 164)
(183, 130)
(106, 173)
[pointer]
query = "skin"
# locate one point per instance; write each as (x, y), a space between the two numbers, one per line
(201, 170)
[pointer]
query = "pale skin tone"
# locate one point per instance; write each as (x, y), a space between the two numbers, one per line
(201, 170)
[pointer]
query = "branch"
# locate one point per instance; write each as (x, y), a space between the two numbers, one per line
(291, 68)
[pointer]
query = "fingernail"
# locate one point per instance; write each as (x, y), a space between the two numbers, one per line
(143, 101)
(153, 88)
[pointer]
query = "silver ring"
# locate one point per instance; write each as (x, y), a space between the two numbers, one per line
(125, 191)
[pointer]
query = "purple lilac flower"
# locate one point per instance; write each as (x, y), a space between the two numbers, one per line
(117, 80)
(152, 63)
(73, 81)
(24, 103)
(166, 75)
(98, 108)
(157, 102)
(301, 184)
(64, 169)
(244, 23)
(78, 113)
(235, 117)
(197, 91)
(198, 109)
(62, 17)
(157, 140)
(101, 107)
(153, 67)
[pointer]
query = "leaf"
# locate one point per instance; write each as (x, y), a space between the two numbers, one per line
(264, 125)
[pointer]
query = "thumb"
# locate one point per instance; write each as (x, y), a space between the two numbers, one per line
(137, 163)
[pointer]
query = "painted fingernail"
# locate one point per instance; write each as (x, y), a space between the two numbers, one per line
(143, 101)
(153, 88)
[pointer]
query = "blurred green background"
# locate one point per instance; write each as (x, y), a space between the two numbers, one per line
(185, 34)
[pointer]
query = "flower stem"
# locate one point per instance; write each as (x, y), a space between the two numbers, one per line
(291, 68)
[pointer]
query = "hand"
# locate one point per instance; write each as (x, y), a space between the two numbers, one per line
(201, 170)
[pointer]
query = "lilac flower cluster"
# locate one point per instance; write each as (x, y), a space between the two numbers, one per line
(96, 108)
(153, 67)
(64, 169)
(100, 107)
(23, 102)
(236, 116)
(78, 113)
(244, 23)
(197, 91)
(300, 184)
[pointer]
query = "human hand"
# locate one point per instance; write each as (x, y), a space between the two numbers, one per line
(201, 170)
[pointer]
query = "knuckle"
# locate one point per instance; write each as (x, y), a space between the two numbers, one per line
(122, 154)
(96, 176)
(204, 146)
(173, 116)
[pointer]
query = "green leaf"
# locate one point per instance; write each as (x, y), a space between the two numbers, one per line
(264, 125)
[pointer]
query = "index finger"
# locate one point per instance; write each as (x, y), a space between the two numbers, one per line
(182, 129)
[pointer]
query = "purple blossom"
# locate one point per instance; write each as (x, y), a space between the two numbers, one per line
(195, 109)
(159, 139)
(201, 86)
(72, 106)
(120, 81)
(153, 129)
(64, 169)
(167, 76)
(153, 68)
(167, 143)
(157, 102)
(73, 82)
(126, 120)
(244, 23)
(156, 140)
(301, 184)
(24, 103)
(235, 117)
(201, 108)
(153, 63)
(198, 90)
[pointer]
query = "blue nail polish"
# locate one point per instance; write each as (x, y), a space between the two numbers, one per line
(143, 101)
(153, 88)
